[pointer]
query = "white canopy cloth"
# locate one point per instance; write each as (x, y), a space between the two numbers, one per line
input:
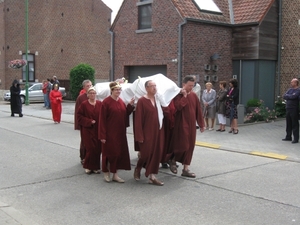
(166, 91)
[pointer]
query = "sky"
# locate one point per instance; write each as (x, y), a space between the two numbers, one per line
(114, 5)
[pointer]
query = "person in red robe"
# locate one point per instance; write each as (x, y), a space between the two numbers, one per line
(88, 119)
(86, 84)
(114, 119)
(188, 112)
(149, 133)
(56, 99)
(82, 91)
(169, 121)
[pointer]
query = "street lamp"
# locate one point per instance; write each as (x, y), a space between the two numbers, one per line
(26, 48)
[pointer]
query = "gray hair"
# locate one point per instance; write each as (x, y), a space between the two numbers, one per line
(85, 82)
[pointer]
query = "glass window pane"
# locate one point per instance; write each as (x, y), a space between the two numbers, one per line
(145, 14)
(30, 63)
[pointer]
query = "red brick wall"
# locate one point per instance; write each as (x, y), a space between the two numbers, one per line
(63, 32)
(155, 48)
(161, 46)
(201, 41)
(290, 55)
(2, 47)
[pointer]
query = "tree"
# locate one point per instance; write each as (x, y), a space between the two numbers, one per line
(78, 74)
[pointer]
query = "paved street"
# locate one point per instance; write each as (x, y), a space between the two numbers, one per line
(43, 183)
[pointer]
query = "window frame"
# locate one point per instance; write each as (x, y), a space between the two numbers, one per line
(30, 64)
(144, 3)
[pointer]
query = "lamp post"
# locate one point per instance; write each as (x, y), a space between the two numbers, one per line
(26, 48)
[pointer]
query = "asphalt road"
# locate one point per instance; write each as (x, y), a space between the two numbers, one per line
(43, 183)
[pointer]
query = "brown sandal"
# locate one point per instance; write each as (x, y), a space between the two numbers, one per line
(156, 182)
(137, 174)
(173, 166)
(187, 173)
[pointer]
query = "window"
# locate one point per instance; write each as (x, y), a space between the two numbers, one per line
(31, 64)
(208, 6)
(144, 14)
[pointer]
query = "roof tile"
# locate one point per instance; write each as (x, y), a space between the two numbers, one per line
(245, 11)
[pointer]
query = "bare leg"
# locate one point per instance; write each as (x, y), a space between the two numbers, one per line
(206, 121)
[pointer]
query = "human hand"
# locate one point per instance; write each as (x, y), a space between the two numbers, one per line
(183, 91)
(103, 141)
(131, 101)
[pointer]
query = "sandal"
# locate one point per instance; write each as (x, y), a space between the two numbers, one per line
(155, 182)
(173, 166)
(187, 173)
(137, 174)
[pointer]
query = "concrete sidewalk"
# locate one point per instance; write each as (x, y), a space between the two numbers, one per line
(261, 138)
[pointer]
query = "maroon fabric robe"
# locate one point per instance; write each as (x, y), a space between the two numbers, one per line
(169, 120)
(147, 130)
(188, 112)
(79, 100)
(56, 99)
(114, 119)
(85, 114)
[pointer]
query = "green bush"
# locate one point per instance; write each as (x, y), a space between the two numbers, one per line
(78, 74)
(253, 102)
(261, 113)
(280, 107)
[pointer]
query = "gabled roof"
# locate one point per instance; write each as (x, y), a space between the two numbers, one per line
(241, 12)
(247, 11)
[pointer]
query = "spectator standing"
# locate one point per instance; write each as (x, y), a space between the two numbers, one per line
(232, 100)
(292, 111)
(55, 81)
(15, 100)
(197, 89)
(86, 84)
(209, 103)
(114, 119)
(48, 90)
(56, 99)
(221, 105)
(88, 116)
(44, 89)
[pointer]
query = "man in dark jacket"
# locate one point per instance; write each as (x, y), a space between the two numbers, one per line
(292, 111)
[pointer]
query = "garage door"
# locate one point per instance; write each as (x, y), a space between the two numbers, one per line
(145, 71)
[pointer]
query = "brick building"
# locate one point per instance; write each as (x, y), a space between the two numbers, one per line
(62, 34)
(290, 43)
(215, 41)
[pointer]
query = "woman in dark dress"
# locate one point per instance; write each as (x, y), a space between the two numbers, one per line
(231, 105)
(88, 115)
(15, 100)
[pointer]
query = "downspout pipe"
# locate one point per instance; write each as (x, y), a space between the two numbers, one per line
(179, 57)
(112, 50)
(279, 48)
